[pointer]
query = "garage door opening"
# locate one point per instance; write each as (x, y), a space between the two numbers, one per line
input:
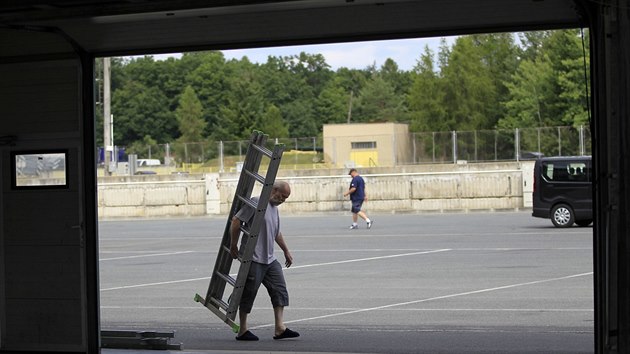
(465, 268)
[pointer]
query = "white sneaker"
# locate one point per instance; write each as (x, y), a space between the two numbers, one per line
(369, 224)
(353, 227)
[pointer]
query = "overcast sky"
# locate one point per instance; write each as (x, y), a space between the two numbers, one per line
(356, 55)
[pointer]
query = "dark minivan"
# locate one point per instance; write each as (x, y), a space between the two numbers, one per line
(563, 190)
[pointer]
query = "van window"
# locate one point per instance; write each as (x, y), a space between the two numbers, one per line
(148, 162)
(565, 171)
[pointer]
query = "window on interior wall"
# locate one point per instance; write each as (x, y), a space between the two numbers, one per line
(39, 169)
(364, 145)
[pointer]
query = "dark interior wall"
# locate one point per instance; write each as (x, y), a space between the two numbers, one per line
(42, 273)
(17, 44)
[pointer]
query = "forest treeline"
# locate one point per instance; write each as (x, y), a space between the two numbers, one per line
(486, 81)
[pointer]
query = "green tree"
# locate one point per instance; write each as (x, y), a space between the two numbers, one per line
(140, 111)
(469, 90)
(287, 87)
(300, 115)
(378, 102)
(351, 79)
(532, 44)
(426, 98)
(444, 53)
(209, 79)
(568, 58)
(499, 54)
(278, 81)
(529, 91)
(189, 116)
(396, 78)
(333, 103)
(312, 68)
(273, 124)
(549, 90)
(162, 74)
(244, 109)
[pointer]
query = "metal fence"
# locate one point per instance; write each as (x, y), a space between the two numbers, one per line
(499, 145)
(418, 148)
(227, 156)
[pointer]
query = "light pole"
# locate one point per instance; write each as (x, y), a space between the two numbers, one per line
(107, 119)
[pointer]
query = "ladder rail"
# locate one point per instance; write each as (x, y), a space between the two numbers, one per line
(253, 232)
(244, 187)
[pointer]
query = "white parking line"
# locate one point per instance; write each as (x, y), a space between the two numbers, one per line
(294, 308)
(154, 284)
(451, 249)
(296, 267)
(134, 252)
(431, 299)
(553, 232)
(368, 259)
(145, 255)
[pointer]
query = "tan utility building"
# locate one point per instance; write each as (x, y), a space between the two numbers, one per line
(367, 144)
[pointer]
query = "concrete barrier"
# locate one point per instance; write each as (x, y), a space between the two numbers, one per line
(138, 198)
(434, 188)
(408, 192)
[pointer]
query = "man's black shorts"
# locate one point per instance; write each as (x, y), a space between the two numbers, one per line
(356, 206)
(271, 276)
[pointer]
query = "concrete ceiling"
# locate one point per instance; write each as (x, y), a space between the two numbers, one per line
(117, 27)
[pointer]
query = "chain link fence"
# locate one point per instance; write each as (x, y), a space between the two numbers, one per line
(500, 145)
(413, 148)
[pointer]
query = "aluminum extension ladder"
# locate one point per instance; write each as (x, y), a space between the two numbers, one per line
(215, 300)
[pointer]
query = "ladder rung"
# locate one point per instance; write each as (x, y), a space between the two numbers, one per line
(227, 249)
(262, 149)
(245, 230)
(222, 304)
(256, 176)
(228, 279)
(249, 202)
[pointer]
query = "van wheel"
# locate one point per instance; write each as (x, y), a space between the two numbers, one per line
(583, 223)
(562, 216)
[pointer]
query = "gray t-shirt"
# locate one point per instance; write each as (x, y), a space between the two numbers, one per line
(263, 253)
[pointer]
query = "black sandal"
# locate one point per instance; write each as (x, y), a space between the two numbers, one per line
(247, 336)
(287, 334)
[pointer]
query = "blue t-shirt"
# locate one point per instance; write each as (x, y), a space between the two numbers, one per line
(359, 184)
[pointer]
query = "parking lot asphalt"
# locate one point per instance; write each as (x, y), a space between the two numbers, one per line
(487, 282)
